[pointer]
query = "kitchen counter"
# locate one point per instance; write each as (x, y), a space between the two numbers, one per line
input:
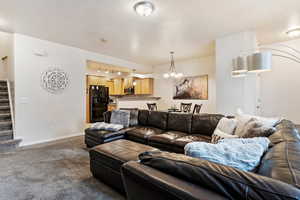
(138, 98)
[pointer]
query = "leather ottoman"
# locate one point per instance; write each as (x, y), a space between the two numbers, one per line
(95, 137)
(106, 160)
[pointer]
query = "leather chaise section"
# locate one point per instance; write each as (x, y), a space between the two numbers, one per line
(96, 137)
(146, 183)
(227, 181)
(284, 127)
(106, 160)
(282, 162)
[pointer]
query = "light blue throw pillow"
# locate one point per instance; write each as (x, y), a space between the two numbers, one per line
(243, 154)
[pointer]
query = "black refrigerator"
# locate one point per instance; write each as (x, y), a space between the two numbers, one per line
(99, 99)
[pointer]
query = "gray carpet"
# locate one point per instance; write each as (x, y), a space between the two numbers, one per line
(56, 171)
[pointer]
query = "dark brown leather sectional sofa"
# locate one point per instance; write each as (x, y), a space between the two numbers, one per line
(172, 175)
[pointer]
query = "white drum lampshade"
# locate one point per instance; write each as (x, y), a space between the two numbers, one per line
(259, 62)
(239, 65)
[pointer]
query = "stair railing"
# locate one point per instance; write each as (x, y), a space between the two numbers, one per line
(11, 105)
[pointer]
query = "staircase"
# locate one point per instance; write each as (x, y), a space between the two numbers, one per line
(7, 141)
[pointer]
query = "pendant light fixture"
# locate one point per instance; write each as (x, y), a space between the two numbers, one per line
(172, 71)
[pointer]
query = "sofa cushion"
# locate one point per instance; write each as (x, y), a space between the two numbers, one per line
(143, 117)
(285, 132)
(205, 124)
(182, 141)
(134, 113)
(227, 181)
(120, 117)
(167, 137)
(144, 131)
(180, 122)
(282, 162)
(158, 119)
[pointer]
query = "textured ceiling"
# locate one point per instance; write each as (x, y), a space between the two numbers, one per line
(186, 27)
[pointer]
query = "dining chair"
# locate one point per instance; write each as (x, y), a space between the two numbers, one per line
(185, 107)
(152, 106)
(197, 108)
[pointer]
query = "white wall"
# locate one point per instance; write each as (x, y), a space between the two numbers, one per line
(280, 94)
(234, 93)
(164, 87)
(6, 49)
(41, 116)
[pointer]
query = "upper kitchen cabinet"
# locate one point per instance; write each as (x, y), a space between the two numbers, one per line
(118, 86)
(143, 86)
(110, 85)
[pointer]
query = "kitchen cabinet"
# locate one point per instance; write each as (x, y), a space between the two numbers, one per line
(143, 86)
(110, 85)
(118, 86)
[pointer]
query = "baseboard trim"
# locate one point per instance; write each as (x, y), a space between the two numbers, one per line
(26, 144)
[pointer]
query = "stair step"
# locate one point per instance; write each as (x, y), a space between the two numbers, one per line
(4, 109)
(4, 94)
(6, 135)
(3, 97)
(4, 100)
(5, 126)
(4, 104)
(3, 83)
(3, 88)
(5, 116)
(9, 145)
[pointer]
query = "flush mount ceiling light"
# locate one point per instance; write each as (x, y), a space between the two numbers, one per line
(144, 8)
(295, 32)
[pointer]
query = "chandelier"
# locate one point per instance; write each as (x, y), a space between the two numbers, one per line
(172, 71)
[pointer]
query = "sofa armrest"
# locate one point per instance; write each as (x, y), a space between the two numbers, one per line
(227, 181)
(144, 182)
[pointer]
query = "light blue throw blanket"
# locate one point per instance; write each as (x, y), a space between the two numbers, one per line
(240, 153)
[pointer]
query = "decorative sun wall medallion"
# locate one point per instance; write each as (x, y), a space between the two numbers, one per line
(55, 80)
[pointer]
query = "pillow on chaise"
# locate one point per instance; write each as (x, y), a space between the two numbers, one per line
(255, 128)
(227, 125)
(224, 129)
(243, 119)
(134, 112)
(120, 117)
